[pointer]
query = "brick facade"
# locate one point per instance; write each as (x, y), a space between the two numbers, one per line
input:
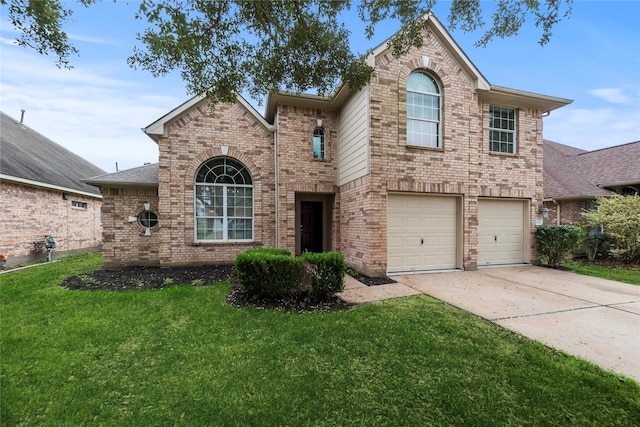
(191, 141)
(29, 213)
(570, 211)
(124, 242)
(285, 174)
(463, 166)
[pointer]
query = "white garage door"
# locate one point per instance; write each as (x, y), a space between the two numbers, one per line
(501, 228)
(421, 233)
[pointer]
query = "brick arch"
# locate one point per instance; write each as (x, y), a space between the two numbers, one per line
(189, 184)
(415, 64)
(232, 152)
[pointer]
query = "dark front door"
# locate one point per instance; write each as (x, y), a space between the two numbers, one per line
(311, 226)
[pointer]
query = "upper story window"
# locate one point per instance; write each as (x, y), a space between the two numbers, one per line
(318, 143)
(223, 201)
(79, 205)
(502, 130)
(423, 110)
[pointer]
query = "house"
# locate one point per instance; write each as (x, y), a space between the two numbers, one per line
(41, 195)
(428, 167)
(573, 178)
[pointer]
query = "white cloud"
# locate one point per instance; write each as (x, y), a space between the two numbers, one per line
(89, 39)
(613, 95)
(593, 129)
(96, 112)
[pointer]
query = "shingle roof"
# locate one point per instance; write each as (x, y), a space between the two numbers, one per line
(142, 176)
(28, 155)
(574, 173)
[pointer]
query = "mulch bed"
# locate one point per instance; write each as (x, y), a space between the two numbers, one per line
(147, 278)
(151, 278)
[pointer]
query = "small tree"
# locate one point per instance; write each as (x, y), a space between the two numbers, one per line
(594, 243)
(620, 218)
(555, 242)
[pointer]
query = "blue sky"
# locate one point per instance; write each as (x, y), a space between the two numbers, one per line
(98, 108)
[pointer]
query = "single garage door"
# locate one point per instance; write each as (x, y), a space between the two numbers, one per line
(421, 232)
(501, 225)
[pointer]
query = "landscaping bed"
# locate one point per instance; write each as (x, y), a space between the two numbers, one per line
(153, 278)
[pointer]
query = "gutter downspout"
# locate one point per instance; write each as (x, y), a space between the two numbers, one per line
(557, 211)
(277, 181)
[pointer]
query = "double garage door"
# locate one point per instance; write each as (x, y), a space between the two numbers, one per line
(424, 232)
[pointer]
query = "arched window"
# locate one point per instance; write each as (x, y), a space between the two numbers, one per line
(223, 201)
(423, 110)
(318, 143)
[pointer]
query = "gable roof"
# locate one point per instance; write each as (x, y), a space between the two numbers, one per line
(572, 173)
(158, 128)
(499, 95)
(142, 176)
(435, 27)
(30, 158)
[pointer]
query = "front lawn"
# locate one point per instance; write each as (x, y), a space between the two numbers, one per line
(620, 274)
(183, 356)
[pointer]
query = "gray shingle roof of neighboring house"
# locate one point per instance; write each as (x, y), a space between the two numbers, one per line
(572, 173)
(31, 157)
(142, 176)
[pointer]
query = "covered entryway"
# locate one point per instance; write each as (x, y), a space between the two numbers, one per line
(311, 226)
(422, 232)
(313, 222)
(501, 231)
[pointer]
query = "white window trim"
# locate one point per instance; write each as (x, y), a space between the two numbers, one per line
(438, 122)
(225, 218)
(514, 131)
(323, 146)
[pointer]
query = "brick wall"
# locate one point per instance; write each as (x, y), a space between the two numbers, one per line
(462, 166)
(193, 139)
(29, 213)
(570, 211)
(124, 242)
(299, 173)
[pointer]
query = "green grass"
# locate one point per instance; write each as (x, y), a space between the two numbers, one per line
(626, 275)
(182, 356)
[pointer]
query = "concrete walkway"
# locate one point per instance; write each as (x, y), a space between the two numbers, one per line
(594, 319)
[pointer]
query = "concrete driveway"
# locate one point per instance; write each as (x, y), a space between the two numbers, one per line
(594, 319)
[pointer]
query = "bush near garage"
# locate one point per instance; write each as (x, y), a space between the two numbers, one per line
(555, 242)
(274, 273)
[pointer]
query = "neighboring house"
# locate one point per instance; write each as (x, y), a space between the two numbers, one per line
(428, 167)
(573, 178)
(41, 195)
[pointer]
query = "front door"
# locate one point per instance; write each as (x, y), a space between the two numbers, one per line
(311, 227)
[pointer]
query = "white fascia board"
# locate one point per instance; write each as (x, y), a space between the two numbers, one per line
(434, 25)
(508, 97)
(159, 127)
(47, 186)
(255, 114)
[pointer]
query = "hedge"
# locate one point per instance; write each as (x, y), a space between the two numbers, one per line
(327, 273)
(274, 273)
(555, 242)
(268, 273)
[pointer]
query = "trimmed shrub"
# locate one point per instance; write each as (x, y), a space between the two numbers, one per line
(268, 272)
(555, 242)
(271, 251)
(327, 273)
